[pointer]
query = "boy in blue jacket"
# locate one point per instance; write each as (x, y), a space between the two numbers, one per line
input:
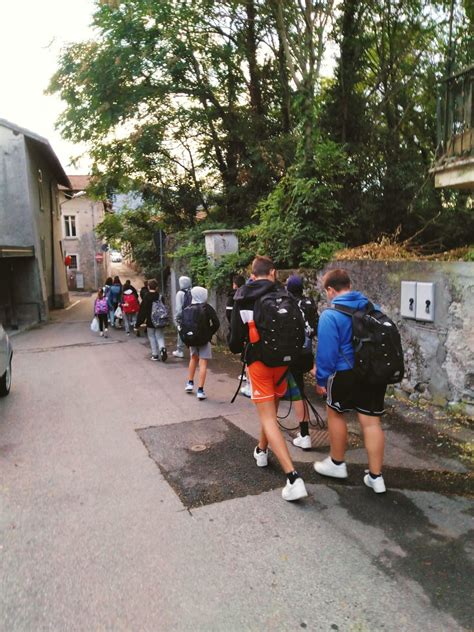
(343, 389)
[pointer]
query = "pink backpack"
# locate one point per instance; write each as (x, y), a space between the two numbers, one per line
(101, 306)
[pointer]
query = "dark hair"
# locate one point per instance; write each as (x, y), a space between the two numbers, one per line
(261, 266)
(108, 281)
(100, 293)
(338, 279)
(117, 280)
(145, 283)
(127, 283)
(153, 284)
(239, 280)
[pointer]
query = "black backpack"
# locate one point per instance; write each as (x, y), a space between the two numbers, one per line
(280, 324)
(195, 326)
(378, 354)
(310, 315)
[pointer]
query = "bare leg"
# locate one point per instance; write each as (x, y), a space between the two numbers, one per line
(374, 441)
(193, 362)
(270, 431)
(202, 372)
(337, 434)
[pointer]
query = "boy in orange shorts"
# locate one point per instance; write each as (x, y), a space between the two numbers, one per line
(268, 383)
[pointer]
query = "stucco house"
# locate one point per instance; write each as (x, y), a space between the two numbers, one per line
(89, 264)
(32, 271)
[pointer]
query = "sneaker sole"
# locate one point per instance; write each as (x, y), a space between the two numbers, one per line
(328, 475)
(297, 497)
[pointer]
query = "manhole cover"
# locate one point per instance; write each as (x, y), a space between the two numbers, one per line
(200, 447)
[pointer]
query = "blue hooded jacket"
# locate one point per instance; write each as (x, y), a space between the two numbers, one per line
(335, 351)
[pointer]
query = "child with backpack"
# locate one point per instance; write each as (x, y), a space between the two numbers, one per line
(130, 307)
(199, 322)
(343, 378)
(101, 310)
(268, 329)
(154, 314)
(183, 299)
(114, 296)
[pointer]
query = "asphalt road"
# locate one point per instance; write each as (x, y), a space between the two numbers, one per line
(93, 537)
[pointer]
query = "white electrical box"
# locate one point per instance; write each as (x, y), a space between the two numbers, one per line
(408, 299)
(425, 301)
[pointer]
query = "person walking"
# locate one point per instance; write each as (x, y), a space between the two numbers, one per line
(294, 285)
(183, 299)
(344, 390)
(114, 297)
(201, 318)
(128, 286)
(101, 310)
(268, 381)
(130, 307)
(144, 290)
(156, 334)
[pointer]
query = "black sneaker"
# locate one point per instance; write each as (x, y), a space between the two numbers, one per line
(163, 354)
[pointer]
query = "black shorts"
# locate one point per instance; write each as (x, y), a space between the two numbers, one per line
(346, 392)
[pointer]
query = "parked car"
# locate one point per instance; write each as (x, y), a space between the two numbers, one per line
(115, 256)
(6, 353)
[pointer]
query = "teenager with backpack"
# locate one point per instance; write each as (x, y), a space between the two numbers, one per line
(268, 329)
(359, 353)
(198, 323)
(130, 307)
(101, 310)
(308, 308)
(154, 314)
(183, 299)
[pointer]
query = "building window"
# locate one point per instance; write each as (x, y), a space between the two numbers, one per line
(40, 190)
(74, 265)
(70, 226)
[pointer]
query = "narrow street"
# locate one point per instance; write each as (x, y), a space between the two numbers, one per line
(96, 536)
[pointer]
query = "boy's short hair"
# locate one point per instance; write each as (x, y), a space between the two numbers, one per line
(153, 284)
(338, 279)
(262, 266)
(239, 280)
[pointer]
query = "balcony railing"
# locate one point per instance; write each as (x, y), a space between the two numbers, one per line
(456, 117)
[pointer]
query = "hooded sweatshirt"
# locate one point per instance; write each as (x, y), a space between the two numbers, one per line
(144, 314)
(184, 286)
(335, 352)
(245, 298)
(199, 297)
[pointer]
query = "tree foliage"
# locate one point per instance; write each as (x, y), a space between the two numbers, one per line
(220, 105)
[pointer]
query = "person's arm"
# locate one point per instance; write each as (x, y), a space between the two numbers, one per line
(214, 319)
(238, 331)
(142, 312)
(179, 306)
(328, 348)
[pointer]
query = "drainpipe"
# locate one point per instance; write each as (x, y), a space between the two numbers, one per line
(53, 272)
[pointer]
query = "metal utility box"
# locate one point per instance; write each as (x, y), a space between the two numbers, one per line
(425, 301)
(408, 299)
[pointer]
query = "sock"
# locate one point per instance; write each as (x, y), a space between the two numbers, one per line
(260, 450)
(374, 476)
(336, 462)
(191, 382)
(201, 388)
(304, 431)
(292, 476)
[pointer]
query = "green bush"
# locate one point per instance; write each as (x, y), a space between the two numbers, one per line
(320, 255)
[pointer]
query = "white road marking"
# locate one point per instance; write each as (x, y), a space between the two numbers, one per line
(71, 306)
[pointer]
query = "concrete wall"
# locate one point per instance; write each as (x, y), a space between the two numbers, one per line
(86, 245)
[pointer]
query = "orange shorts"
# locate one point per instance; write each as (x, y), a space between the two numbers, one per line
(264, 380)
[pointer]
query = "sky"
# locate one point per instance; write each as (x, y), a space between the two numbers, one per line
(32, 33)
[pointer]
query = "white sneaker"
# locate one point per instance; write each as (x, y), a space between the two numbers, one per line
(101, 334)
(302, 442)
(178, 354)
(294, 491)
(377, 484)
(189, 388)
(245, 391)
(201, 394)
(328, 468)
(261, 457)
(106, 333)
